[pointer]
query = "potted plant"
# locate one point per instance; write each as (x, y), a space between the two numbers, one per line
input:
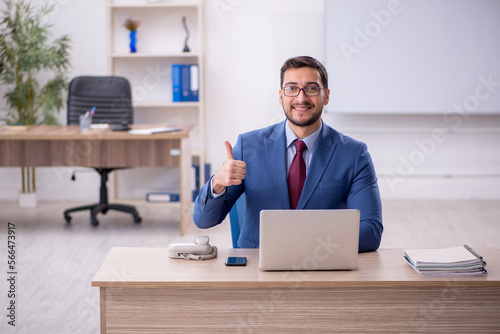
(25, 52)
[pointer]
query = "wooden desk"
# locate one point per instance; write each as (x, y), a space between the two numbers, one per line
(143, 290)
(66, 146)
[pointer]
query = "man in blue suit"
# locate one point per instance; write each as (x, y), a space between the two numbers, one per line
(339, 172)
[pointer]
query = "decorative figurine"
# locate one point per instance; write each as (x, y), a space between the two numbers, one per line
(186, 47)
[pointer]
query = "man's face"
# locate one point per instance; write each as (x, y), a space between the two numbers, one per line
(303, 110)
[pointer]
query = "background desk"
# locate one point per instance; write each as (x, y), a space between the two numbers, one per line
(67, 146)
(142, 289)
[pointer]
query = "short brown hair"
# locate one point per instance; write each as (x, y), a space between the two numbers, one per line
(305, 61)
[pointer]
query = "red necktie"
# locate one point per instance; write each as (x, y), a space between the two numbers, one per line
(297, 174)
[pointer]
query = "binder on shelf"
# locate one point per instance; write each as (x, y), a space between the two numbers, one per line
(176, 82)
(186, 83)
(197, 183)
(162, 197)
(174, 196)
(195, 82)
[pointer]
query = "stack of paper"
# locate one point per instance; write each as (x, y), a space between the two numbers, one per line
(151, 131)
(454, 261)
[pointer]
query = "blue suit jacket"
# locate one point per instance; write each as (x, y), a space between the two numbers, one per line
(340, 175)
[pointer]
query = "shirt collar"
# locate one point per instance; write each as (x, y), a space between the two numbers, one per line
(309, 140)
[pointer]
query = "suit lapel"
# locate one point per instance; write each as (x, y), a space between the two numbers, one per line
(322, 155)
(276, 158)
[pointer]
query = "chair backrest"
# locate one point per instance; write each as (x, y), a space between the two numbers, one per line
(236, 219)
(110, 95)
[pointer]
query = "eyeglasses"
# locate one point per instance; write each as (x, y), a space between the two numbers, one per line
(293, 91)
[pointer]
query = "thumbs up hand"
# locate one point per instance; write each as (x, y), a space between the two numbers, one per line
(229, 150)
(230, 174)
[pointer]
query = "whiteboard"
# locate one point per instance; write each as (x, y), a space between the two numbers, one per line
(413, 57)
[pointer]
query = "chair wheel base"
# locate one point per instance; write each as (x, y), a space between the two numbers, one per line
(94, 221)
(103, 208)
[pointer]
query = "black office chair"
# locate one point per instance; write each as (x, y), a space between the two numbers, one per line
(113, 101)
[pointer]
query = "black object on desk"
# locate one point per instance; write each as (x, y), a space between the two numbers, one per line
(120, 127)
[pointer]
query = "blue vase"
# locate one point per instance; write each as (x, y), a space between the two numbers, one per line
(133, 41)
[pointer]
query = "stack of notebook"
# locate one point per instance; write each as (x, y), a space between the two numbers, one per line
(454, 261)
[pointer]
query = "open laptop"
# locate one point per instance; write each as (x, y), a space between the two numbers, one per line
(309, 239)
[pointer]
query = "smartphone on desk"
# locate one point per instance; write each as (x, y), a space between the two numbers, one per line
(236, 261)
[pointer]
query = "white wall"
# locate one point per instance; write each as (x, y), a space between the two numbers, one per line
(464, 162)
(246, 47)
(411, 57)
(246, 44)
